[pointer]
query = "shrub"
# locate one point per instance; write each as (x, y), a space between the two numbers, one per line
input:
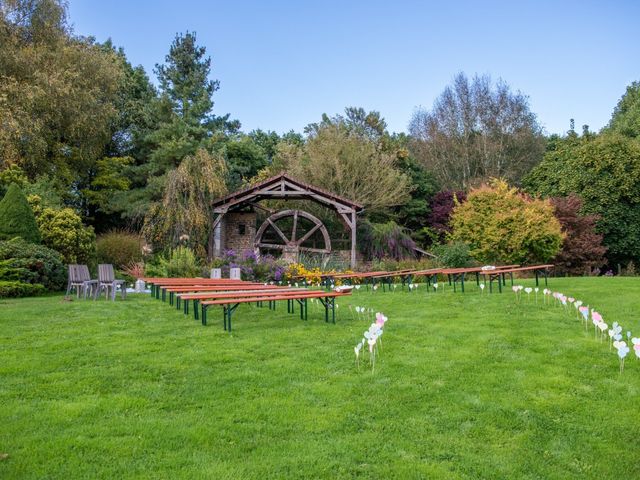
(454, 255)
(380, 240)
(605, 171)
(30, 263)
(582, 248)
(16, 217)
(441, 207)
(119, 248)
(183, 263)
(63, 231)
(503, 226)
(390, 264)
(12, 174)
(20, 289)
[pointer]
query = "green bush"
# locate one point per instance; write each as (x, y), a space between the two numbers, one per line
(16, 217)
(454, 255)
(30, 263)
(63, 231)
(12, 174)
(119, 248)
(20, 289)
(503, 226)
(182, 262)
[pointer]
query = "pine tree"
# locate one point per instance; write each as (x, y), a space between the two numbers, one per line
(16, 217)
(185, 105)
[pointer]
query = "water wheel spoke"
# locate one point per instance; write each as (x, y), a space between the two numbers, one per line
(314, 250)
(278, 231)
(295, 225)
(289, 246)
(309, 233)
(271, 245)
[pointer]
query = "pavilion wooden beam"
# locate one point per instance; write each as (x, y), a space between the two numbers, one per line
(284, 187)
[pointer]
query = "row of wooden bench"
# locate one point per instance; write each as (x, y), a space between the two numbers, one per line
(229, 294)
(454, 276)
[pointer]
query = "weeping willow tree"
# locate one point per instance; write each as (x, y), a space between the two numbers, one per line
(184, 216)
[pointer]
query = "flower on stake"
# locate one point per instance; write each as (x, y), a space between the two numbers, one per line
(636, 346)
(623, 350)
(614, 334)
(528, 291)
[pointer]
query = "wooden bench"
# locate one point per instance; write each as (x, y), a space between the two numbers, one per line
(159, 287)
(210, 295)
(229, 305)
(499, 274)
(455, 275)
(174, 291)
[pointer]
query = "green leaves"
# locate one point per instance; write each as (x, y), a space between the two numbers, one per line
(605, 172)
(503, 226)
(16, 217)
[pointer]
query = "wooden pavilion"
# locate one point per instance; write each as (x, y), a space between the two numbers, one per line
(235, 223)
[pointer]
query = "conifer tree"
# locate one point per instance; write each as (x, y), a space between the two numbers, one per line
(16, 217)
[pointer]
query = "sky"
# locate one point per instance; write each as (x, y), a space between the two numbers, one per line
(282, 64)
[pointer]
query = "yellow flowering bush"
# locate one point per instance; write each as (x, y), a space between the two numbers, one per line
(297, 270)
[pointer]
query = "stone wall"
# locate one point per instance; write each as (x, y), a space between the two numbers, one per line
(239, 231)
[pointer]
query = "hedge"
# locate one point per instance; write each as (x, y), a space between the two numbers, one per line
(20, 289)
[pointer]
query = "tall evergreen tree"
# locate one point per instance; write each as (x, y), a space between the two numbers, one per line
(16, 217)
(185, 105)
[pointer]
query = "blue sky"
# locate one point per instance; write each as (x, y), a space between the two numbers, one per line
(282, 64)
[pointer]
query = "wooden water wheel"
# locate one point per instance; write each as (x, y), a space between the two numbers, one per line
(292, 232)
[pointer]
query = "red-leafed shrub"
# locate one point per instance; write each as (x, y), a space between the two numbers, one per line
(441, 207)
(582, 248)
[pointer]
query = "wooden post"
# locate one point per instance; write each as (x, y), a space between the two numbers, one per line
(353, 239)
(215, 238)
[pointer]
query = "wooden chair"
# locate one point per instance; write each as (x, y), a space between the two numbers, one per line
(108, 282)
(80, 279)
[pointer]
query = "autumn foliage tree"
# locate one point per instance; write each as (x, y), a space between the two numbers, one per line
(504, 226)
(582, 248)
(184, 216)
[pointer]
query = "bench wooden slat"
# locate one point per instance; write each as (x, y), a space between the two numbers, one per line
(274, 298)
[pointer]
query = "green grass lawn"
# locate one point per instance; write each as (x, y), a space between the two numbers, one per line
(466, 386)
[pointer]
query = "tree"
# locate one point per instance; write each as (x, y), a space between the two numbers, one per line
(504, 226)
(626, 116)
(185, 215)
(16, 217)
(384, 240)
(184, 123)
(582, 248)
(476, 131)
(414, 213)
(356, 121)
(245, 158)
(63, 231)
(56, 95)
(12, 174)
(605, 171)
(185, 105)
(441, 207)
(348, 165)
